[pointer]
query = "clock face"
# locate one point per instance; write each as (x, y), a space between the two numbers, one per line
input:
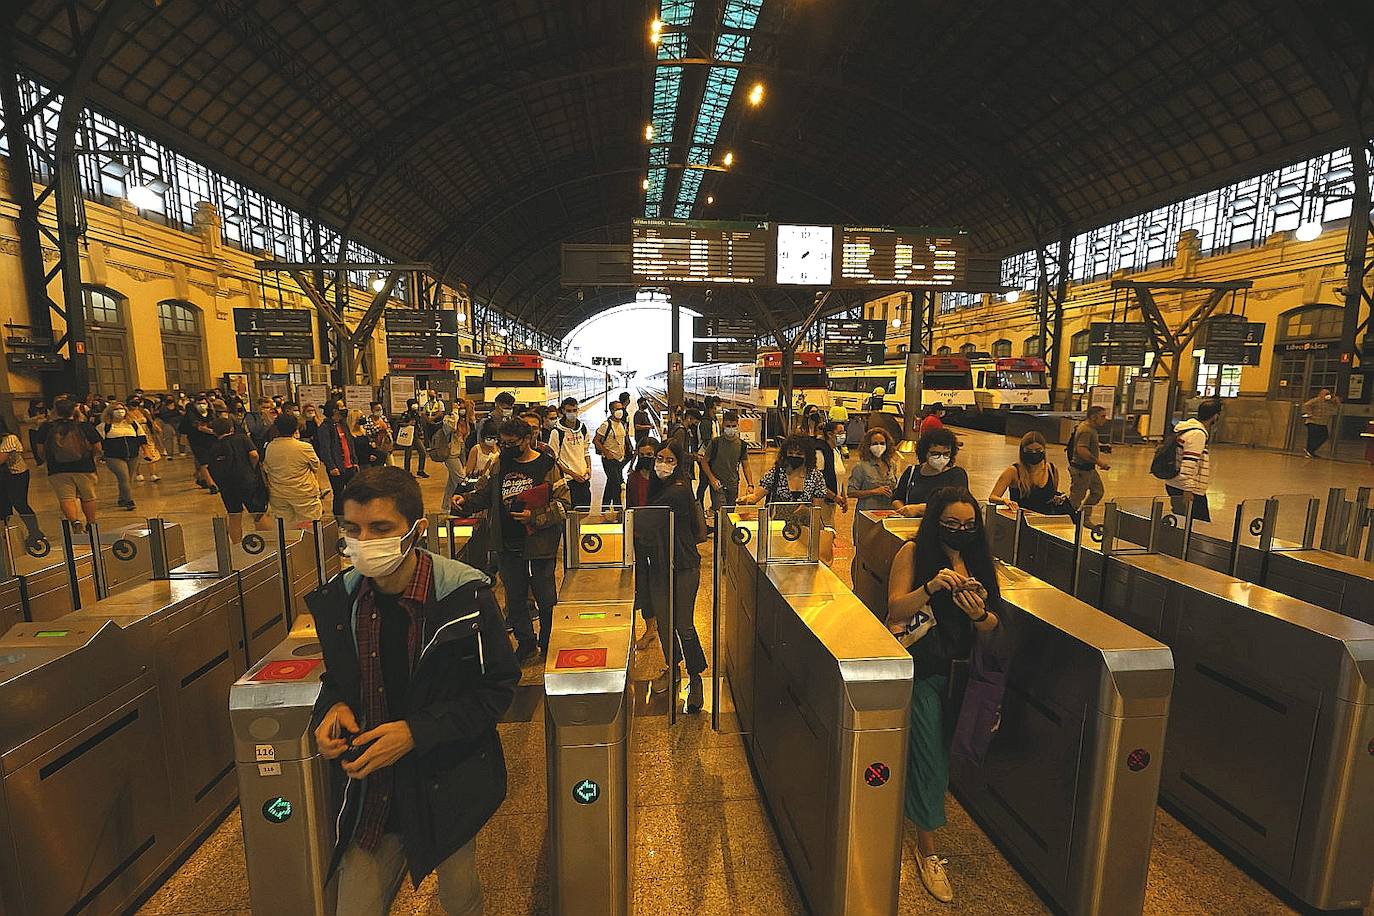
(805, 255)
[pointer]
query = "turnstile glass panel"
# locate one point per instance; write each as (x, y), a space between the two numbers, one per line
(793, 532)
(1295, 522)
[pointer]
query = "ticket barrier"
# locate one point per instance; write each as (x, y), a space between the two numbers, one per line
(588, 716)
(816, 678)
(283, 782)
(1268, 739)
(86, 818)
(1069, 785)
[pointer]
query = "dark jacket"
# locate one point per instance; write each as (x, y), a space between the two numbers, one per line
(651, 528)
(328, 448)
(547, 521)
(455, 778)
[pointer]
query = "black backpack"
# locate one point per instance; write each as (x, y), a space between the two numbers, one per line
(1167, 462)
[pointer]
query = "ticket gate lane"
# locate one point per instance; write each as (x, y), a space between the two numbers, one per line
(284, 784)
(1262, 677)
(1069, 785)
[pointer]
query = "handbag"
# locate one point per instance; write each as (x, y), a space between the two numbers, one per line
(405, 437)
(980, 713)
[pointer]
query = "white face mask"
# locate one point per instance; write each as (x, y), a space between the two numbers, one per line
(118, 413)
(664, 470)
(877, 448)
(938, 462)
(570, 416)
(378, 557)
(731, 432)
(839, 440)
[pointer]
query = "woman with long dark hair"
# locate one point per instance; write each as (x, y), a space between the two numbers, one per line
(942, 597)
(1032, 483)
(14, 483)
(671, 488)
(793, 478)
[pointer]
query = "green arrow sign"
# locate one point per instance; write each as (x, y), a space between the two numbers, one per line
(277, 810)
(586, 792)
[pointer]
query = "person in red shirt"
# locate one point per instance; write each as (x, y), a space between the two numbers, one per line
(932, 419)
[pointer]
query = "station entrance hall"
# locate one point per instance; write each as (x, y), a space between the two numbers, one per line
(754, 457)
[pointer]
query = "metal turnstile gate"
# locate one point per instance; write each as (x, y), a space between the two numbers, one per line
(288, 830)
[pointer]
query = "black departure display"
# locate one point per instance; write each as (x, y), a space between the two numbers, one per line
(912, 257)
(698, 251)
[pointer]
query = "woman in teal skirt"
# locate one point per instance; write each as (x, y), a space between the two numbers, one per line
(942, 596)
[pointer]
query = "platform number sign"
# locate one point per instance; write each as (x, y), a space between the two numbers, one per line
(877, 774)
(1137, 760)
(585, 792)
(277, 810)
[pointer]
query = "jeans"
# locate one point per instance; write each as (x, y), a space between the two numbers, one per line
(522, 578)
(1317, 434)
(169, 440)
(414, 449)
(337, 484)
(123, 470)
(615, 482)
(368, 881)
(457, 473)
(687, 645)
(580, 492)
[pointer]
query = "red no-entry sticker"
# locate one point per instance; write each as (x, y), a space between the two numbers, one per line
(1138, 760)
(877, 774)
(581, 658)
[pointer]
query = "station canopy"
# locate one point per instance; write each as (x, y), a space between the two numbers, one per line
(480, 134)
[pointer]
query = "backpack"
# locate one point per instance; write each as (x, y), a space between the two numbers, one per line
(67, 443)
(441, 443)
(1167, 462)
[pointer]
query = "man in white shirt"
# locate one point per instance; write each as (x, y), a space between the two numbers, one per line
(571, 445)
(613, 445)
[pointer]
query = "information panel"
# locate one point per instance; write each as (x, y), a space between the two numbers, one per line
(699, 251)
(1120, 343)
(1230, 340)
(723, 351)
(269, 321)
(869, 330)
(421, 321)
(275, 346)
(882, 256)
(853, 353)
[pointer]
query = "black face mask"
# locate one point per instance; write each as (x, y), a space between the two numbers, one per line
(512, 452)
(1032, 458)
(644, 464)
(793, 461)
(958, 539)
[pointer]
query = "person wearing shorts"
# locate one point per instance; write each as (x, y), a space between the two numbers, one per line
(233, 463)
(71, 466)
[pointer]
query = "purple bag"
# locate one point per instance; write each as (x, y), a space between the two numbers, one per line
(980, 714)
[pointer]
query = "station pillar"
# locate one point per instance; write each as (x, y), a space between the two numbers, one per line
(675, 396)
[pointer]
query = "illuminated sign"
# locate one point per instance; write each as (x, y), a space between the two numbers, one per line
(586, 792)
(277, 810)
(699, 251)
(51, 634)
(883, 256)
(580, 658)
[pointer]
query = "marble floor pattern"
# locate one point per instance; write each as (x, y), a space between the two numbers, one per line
(704, 843)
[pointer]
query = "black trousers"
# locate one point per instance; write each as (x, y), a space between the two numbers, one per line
(1317, 434)
(412, 450)
(615, 482)
(337, 484)
(683, 638)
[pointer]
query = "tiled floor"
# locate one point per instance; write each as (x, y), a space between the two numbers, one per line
(704, 841)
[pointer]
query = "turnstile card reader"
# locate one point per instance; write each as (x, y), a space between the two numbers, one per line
(587, 731)
(284, 798)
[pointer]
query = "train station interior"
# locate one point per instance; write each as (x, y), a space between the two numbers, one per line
(750, 456)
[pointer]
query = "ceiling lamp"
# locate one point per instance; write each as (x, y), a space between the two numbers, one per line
(377, 282)
(1014, 296)
(644, 184)
(649, 131)
(710, 200)
(462, 317)
(656, 31)
(728, 160)
(1308, 231)
(756, 95)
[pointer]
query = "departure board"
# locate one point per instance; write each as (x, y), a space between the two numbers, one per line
(883, 256)
(699, 251)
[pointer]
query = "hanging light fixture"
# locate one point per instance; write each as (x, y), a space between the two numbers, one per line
(1308, 231)
(377, 282)
(1014, 296)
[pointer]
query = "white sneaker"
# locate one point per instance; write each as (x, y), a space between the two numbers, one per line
(138, 477)
(155, 478)
(935, 879)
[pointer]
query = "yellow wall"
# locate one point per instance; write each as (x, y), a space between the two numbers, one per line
(1286, 274)
(146, 262)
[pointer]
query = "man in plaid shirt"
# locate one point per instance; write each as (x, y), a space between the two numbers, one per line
(418, 671)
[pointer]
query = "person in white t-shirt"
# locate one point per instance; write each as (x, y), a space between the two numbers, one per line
(571, 445)
(612, 442)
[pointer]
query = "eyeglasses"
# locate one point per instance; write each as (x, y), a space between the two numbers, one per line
(934, 454)
(955, 526)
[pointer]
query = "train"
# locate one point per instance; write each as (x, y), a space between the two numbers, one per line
(535, 378)
(970, 383)
(754, 385)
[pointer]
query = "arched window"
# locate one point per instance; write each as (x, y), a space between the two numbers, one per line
(1033, 346)
(183, 346)
(968, 349)
(1308, 356)
(107, 342)
(1081, 375)
(943, 351)
(1001, 349)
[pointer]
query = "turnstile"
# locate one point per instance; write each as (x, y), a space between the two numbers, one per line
(86, 819)
(587, 736)
(1069, 785)
(1268, 741)
(816, 678)
(283, 782)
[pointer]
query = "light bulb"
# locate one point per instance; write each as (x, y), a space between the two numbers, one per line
(378, 283)
(729, 160)
(1308, 231)
(1014, 296)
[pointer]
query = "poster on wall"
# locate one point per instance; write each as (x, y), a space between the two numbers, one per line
(236, 383)
(400, 389)
(312, 394)
(1103, 396)
(275, 384)
(358, 398)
